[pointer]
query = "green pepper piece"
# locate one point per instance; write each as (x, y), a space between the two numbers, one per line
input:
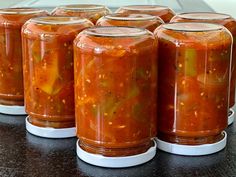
(35, 47)
(140, 73)
(36, 56)
(190, 62)
(112, 104)
(133, 92)
(88, 66)
(104, 83)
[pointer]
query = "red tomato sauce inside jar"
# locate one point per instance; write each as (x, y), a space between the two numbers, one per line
(115, 90)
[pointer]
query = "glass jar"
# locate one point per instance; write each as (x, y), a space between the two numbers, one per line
(134, 20)
(222, 19)
(115, 90)
(11, 73)
(89, 11)
(194, 69)
(48, 69)
(165, 13)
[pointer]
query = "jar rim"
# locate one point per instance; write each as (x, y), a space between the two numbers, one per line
(145, 7)
(115, 31)
(82, 7)
(58, 20)
(192, 26)
(21, 10)
(213, 16)
(116, 16)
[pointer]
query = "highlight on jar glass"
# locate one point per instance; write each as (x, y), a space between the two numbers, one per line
(164, 12)
(90, 11)
(115, 95)
(228, 22)
(134, 20)
(193, 93)
(49, 74)
(11, 72)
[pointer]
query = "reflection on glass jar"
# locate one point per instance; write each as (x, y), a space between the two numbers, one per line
(115, 90)
(89, 11)
(165, 13)
(222, 19)
(194, 69)
(134, 20)
(11, 74)
(48, 69)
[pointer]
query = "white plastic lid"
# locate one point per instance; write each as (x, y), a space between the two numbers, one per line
(231, 116)
(116, 162)
(48, 132)
(12, 110)
(192, 150)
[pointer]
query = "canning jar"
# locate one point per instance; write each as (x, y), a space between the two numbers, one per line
(11, 73)
(48, 69)
(115, 90)
(134, 20)
(194, 71)
(164, 12)
(218, 18)
(90, 11)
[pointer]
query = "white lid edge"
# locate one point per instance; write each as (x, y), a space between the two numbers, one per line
(12, 110)
(231, 117)
(192, 150)
(50, 132)
(116, 162)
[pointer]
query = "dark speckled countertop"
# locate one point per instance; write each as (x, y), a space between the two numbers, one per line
(22, 154)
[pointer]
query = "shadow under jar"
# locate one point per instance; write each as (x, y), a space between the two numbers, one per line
(222, 19)
(164, 12)
(134, 20)
(115, 90)
(48, 69)
(90, 11)
(194, 69)
(11, 73)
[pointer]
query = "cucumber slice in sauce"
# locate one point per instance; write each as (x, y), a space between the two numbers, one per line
(190, 62)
